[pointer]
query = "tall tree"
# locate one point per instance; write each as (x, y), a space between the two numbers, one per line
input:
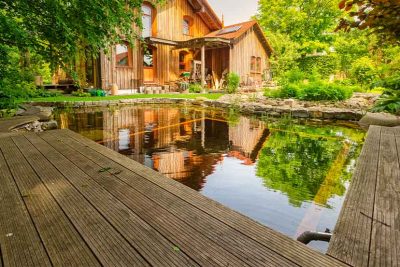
(306, 22)
(383, 16)
(58, 29)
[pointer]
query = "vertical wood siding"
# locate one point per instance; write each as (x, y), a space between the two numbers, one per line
(246, 47)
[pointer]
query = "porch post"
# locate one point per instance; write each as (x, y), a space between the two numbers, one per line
(203, 67)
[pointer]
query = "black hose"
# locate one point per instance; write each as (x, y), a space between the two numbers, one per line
(309, 236)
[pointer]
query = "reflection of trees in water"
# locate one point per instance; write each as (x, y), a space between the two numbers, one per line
(293, 160)
(298, 166)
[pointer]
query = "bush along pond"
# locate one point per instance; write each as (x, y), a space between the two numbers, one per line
(290, 175)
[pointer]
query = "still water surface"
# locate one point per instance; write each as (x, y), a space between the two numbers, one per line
(289, 175)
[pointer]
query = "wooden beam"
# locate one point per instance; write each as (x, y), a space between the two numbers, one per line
(203, 66)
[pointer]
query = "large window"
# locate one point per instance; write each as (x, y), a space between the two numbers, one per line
(147, 20)
(122, 55)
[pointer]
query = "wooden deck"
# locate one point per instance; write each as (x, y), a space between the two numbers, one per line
(67, 201)
(368, 230)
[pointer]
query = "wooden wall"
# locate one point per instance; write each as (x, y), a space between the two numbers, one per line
(248, 46)
(170, 21)
(124, 77)
(169, 26)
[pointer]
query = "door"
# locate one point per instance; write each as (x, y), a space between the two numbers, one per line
(149, 65)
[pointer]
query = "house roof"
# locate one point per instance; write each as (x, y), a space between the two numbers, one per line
(235, 31)
(207, 13)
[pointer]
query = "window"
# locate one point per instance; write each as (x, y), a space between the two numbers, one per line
(253, 64)
(258, 65)
(186, 27)
(148, 61)
(147, 20)
(122, 55)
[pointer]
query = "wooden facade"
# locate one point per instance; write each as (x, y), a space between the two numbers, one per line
(180, 31)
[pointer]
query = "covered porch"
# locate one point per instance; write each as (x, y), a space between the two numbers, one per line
(204, 61)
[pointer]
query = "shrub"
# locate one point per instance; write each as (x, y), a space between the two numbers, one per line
(195, 88)
(390, 99)
(80, 93)
(232, 83)
(363, 71)
(96, 92)
(313, 91)
(317, 91)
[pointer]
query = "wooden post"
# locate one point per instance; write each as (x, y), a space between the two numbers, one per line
(203, 67)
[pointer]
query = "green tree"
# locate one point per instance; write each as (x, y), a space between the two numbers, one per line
(382, 16)
(58, 30)
(306, 22)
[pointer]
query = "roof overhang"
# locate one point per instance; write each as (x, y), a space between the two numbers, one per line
(206, 13)
(208, 42)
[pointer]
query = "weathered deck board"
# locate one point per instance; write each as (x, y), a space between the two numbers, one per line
(63, 244)
(19, 242)
(124, 216)
(106, 243)
(386, 224)
(127, 185)
(270, 239)
(140, 235)
(367, 232)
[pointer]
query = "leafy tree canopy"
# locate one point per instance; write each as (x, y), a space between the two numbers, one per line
(58, 29)
(380, 15)
(307, 22)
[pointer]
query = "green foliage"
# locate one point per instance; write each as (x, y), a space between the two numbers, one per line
(298, 159)
(96, 92)
(54, 29)
(81, 93)
(195, 88)
(381, 16)
(232, 82)
(363, 71)
(390, 99)
(316, 90)
(324, 65)
(305, 22)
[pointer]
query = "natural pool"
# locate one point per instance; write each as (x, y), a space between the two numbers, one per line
(287, 174)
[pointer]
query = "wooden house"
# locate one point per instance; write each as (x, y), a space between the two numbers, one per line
(183, 36)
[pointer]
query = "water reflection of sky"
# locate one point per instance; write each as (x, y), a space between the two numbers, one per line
(289, 176)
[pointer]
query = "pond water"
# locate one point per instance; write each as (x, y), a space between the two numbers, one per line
(289, 175)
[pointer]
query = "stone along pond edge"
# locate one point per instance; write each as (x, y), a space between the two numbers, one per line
(316, 112)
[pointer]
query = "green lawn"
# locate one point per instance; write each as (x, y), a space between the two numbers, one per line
(136, 96)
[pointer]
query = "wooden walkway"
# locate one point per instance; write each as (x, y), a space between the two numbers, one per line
(368, 230)
(67, 201)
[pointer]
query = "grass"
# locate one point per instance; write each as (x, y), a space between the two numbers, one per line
(65, 98)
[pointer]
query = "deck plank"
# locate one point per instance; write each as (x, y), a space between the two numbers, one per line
(152, 245)
(62, 242)
(24, 247)
(106, 243)
(385, 242)
(276, 242)
(351, 237)
(194, 242)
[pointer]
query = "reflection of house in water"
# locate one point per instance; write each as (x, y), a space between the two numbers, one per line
(182, 146)
(247, 138)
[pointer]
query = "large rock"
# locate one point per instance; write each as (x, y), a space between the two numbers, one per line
(44, 113)
(380, 119)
